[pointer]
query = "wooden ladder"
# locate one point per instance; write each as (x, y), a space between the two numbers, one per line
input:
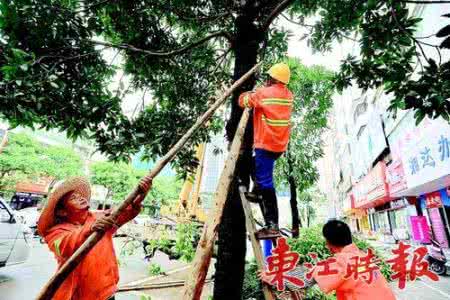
(251, 229)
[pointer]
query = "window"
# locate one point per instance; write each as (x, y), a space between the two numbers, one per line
(359, 110)
(5, 216)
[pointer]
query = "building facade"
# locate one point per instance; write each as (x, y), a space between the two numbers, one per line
(391, 177)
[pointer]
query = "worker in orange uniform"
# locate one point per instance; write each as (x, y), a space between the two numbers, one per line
(66, 222)
(272, 109)
(339, 241)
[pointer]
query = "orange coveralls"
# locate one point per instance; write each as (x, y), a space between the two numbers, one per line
(351, 289)
(96, 277)
(271, 116)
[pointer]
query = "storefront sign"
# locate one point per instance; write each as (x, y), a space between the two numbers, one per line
(400, 203)
(395, 176)
(433, 200)
(427, 156)
(372, 190)
(420, 229)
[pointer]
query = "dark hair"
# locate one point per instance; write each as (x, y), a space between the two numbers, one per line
(337, 233)
(272, 80)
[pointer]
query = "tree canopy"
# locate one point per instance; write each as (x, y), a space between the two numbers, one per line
(120, 178)
(54, 74)
(24, 158)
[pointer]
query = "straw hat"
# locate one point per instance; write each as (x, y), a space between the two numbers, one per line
(76, 184)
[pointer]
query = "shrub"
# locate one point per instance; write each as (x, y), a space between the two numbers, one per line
(155, 269)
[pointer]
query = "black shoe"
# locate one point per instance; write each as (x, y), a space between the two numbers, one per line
(268, 232)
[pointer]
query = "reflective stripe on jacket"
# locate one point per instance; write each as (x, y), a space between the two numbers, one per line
(96, 277)
(271, 116)
(351, 289)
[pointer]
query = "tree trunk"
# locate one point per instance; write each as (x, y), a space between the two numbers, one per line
(230, 264)
(296, 222)
(308, 215)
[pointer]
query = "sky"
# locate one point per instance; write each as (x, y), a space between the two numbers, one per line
(296, 48)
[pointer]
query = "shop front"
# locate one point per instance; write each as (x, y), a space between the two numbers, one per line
(435, 208)
(355, 218)
(422, 153)
(400, 208)
(372, 194)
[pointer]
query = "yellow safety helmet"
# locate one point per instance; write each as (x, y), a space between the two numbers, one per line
(280, 72)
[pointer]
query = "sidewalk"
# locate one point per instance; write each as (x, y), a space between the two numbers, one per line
(181, 273)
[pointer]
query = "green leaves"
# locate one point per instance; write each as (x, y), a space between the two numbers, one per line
(119, 178)
(24, 158)
(444, 33)
(313, 89)
(389, 53)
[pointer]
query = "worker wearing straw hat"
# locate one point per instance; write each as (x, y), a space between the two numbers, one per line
(66, 222)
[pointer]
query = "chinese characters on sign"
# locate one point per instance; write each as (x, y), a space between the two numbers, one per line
(418, 267)
(364, 267)
(282, 261)
(433, 200)
(427, 154)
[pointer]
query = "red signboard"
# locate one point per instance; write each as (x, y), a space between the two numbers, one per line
(433, 200)
(373, 189)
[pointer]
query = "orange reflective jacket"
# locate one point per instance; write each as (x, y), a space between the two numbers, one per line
(96, 277)
(351, 289)
(271, 116)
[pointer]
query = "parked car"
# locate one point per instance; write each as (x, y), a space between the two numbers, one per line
(15, 237)
(29, 217)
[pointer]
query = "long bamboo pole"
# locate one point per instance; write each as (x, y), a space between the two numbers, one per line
(52, 285)
(194, 284)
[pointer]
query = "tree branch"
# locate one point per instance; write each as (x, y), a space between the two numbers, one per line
(182, 16)
(295, 22)
(394, 16)
(277, 10)
(169, 53)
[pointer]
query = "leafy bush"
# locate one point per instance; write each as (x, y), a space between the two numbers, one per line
(155, 269)
(252, 288)
(187, 236)
(183, 247)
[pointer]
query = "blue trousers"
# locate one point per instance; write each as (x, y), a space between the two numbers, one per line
(264, 164)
